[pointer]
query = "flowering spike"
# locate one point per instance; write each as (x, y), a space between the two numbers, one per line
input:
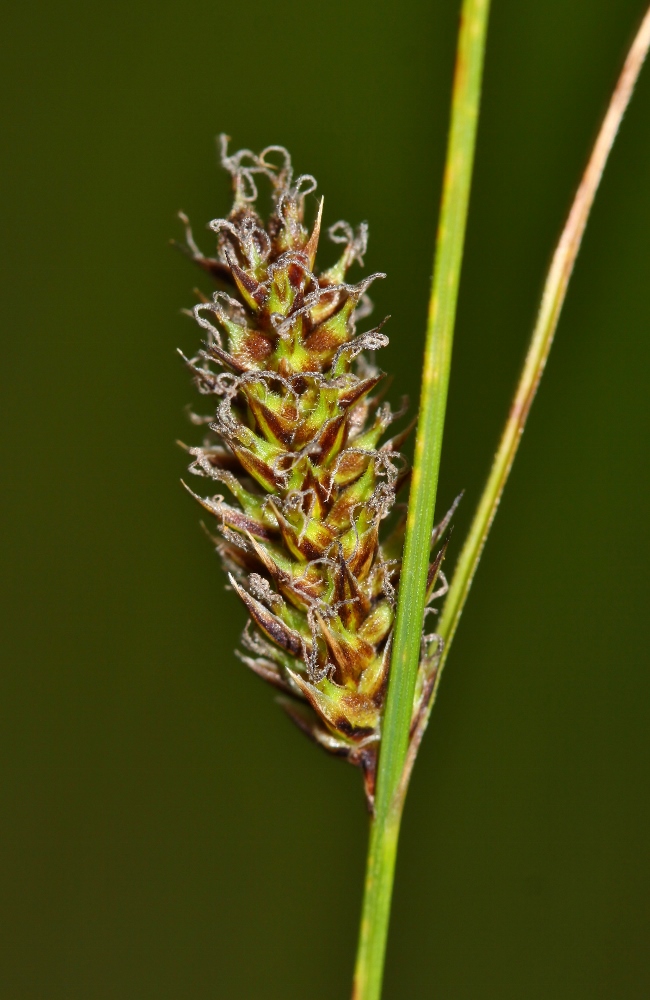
(296, 441)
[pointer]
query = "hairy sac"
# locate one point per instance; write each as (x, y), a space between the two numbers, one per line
(297, 444)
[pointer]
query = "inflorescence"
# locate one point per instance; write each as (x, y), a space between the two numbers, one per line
(296, 441)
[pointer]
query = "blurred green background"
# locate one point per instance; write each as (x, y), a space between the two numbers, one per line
(166, 833)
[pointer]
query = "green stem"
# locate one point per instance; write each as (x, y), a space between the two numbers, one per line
(408, 630)
(549, 313)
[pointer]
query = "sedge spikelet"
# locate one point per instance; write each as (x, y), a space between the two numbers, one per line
(296, 440)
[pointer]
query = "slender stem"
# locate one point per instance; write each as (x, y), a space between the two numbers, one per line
(437, 360)
(549, 313)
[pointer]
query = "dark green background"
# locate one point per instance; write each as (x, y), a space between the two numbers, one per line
(166, 834)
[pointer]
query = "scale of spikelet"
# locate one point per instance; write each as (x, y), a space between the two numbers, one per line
(297, 442)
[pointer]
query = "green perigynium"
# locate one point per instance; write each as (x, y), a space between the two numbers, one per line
(298, 441)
